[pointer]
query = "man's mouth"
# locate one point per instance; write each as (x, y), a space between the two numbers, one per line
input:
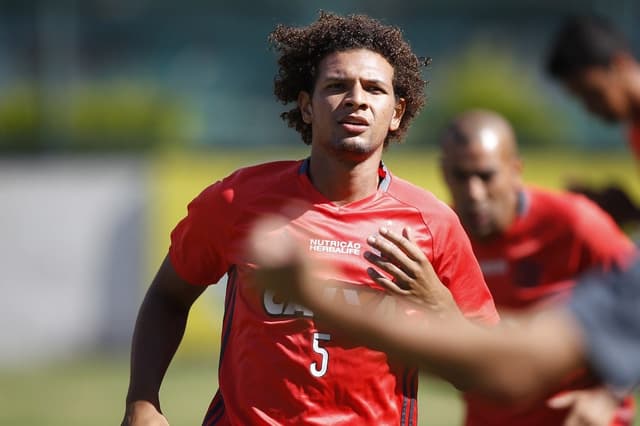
(354, 124)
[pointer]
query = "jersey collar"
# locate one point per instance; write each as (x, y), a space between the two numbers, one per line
(523, 203)
(384, 177)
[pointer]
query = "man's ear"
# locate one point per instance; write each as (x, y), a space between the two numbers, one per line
(443, 165)
(304, 103)
(398, 112)
(518, 167)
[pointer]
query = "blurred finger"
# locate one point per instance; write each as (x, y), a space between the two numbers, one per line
(389, 267)
(390, 252)
(403, 242)
(385, 282)
(563, 400)
(421, 258)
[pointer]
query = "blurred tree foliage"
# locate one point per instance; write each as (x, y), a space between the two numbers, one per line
(20, 119)
(133, 115)
(107, 116)
(490, 77)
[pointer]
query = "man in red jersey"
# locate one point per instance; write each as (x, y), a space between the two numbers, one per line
(531, 243)
(594, 62)
(357, 85)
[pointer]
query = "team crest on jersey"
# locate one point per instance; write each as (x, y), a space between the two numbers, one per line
(335, 246)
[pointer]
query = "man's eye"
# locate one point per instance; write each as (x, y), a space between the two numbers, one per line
(460, 176)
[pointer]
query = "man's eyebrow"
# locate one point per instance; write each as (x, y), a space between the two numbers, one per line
(343, 77)
(464, 172)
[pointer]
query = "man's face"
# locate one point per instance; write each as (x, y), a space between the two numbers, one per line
(484, 182)
(602, 91)
(353, 105)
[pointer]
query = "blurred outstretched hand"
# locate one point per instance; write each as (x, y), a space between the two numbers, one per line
(282, 267)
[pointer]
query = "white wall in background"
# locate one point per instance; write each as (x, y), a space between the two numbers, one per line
(71, 255)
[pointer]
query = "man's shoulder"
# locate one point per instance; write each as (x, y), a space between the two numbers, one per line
(272, 171)
(410, 193)
(259, 176)
(567, 210)
(557, 204)
(420, 199)
(247, 182)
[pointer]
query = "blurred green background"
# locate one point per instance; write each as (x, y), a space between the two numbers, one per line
(114, 115)
(104, 76)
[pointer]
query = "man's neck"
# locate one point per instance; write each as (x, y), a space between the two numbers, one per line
(343, 182)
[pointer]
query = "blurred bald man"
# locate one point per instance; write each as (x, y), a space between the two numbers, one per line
(531, 244)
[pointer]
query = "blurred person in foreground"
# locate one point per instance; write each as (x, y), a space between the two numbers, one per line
(531, 244)
(593, 60)
(357, 85)
(597, 329)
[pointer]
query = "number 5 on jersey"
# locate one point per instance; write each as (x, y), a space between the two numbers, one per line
(317, 337)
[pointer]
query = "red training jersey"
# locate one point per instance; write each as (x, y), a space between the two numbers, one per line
(555, 237)
(276, 367)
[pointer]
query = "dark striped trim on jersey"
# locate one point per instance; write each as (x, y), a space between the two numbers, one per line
(304, 167)
(409, 413)
(523, 203)
(229, 308)
(215, 411)
(383, 174)
(216, 408)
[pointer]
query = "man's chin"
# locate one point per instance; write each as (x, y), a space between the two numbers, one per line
(478, 231)
(355, 146)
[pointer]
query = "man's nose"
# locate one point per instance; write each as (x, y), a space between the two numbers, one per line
(356, 97)
(476, 188)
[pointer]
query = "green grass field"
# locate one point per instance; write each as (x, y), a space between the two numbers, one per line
(91, 390)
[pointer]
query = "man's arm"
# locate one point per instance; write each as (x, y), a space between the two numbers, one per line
(159, 329)
(503, 363)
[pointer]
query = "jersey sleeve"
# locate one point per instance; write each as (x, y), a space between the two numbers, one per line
(602, 242)
(198, 240)
(458, 269)
(605, 306)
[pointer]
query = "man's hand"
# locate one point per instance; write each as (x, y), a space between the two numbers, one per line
(411, 272)
(143, 413)
(282, 267)
(588, 407)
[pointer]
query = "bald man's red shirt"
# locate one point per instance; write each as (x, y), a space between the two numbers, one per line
(555, 238)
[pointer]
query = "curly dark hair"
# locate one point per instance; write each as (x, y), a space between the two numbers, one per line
(302, 49)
